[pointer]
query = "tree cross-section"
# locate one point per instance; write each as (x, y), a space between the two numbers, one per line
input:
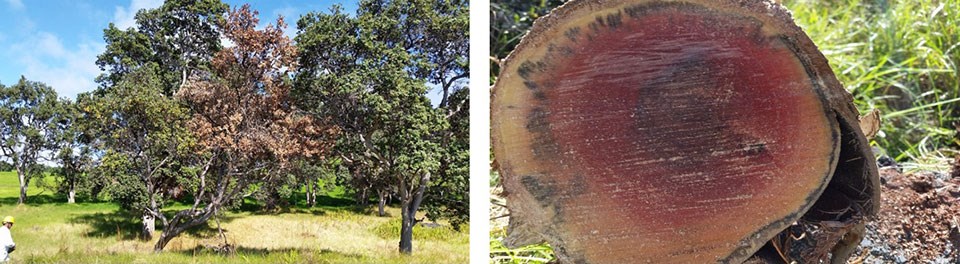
(688, 131)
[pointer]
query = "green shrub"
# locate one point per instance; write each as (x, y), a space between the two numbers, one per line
(899, 57)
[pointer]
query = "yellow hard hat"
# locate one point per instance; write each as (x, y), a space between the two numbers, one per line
(8, 219)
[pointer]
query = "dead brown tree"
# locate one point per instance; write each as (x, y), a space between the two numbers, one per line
(243, 119)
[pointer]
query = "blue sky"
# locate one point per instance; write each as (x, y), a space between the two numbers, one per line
(57, 41)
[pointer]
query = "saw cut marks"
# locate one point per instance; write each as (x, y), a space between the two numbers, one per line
(648, 131)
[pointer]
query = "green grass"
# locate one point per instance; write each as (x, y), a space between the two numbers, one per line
(541, 253)
(391, 229)
(899, 57)
(51, 231)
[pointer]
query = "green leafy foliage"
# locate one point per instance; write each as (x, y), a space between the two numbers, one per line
(179, 37)
(367, 74)
(76, 154)
(29, 119)
(143, 137)
(181, 129)
(449, 197)
(145, 145)
(147, 155)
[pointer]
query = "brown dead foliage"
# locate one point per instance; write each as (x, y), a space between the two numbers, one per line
(244, 108)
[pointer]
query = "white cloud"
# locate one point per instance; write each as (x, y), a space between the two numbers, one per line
(123, 17)
(69, 70)
(15, 4)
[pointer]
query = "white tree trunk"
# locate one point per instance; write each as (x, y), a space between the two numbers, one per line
(71, 196)
(21, 174)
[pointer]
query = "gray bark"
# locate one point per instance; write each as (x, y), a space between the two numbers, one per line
(71, 196)
(382, 202)
(21, 174)
(410, 205)
(149, 226)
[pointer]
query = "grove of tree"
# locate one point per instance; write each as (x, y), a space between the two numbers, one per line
(200, 104)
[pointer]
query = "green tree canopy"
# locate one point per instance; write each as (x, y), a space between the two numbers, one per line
(179, 37)
(145, 142)
(76, 154)
(29, 118)
(369, 73)
(147, 153)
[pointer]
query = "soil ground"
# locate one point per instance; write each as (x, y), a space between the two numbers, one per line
(919, 219)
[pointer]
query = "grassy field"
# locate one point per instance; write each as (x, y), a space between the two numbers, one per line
(50, 231)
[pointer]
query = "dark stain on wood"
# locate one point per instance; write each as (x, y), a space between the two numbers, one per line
(544, 192)
(615, 20)
(543, 145)
(567, 255)
(578, 185)
(572, 34)
(539, 95)
(525, 69)
(531, 85)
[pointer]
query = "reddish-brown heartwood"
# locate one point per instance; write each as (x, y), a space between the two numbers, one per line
(689, 131)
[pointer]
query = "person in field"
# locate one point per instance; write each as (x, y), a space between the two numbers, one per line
(6, 240)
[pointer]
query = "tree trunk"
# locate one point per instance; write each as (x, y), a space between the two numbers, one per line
(149, 220)
(149, 226)
(184, 220)
(382, 202)
(362, 197)
(406, 231)
(310, 195)
(408, 215)
(72, 193)
(313, 198)
(21, 175)
(687, 131)
(95, 191)
(168, 234)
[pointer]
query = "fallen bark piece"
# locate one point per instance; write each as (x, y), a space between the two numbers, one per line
(673, 131)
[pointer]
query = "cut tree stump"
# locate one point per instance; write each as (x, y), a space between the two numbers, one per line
(690, 131)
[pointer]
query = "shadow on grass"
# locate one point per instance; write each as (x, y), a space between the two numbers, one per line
(265, 252)
(202, 254)
(300, 200)
(207, 230)
(35, 199)
(125, 226)
(297, 204)
(116, 224)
